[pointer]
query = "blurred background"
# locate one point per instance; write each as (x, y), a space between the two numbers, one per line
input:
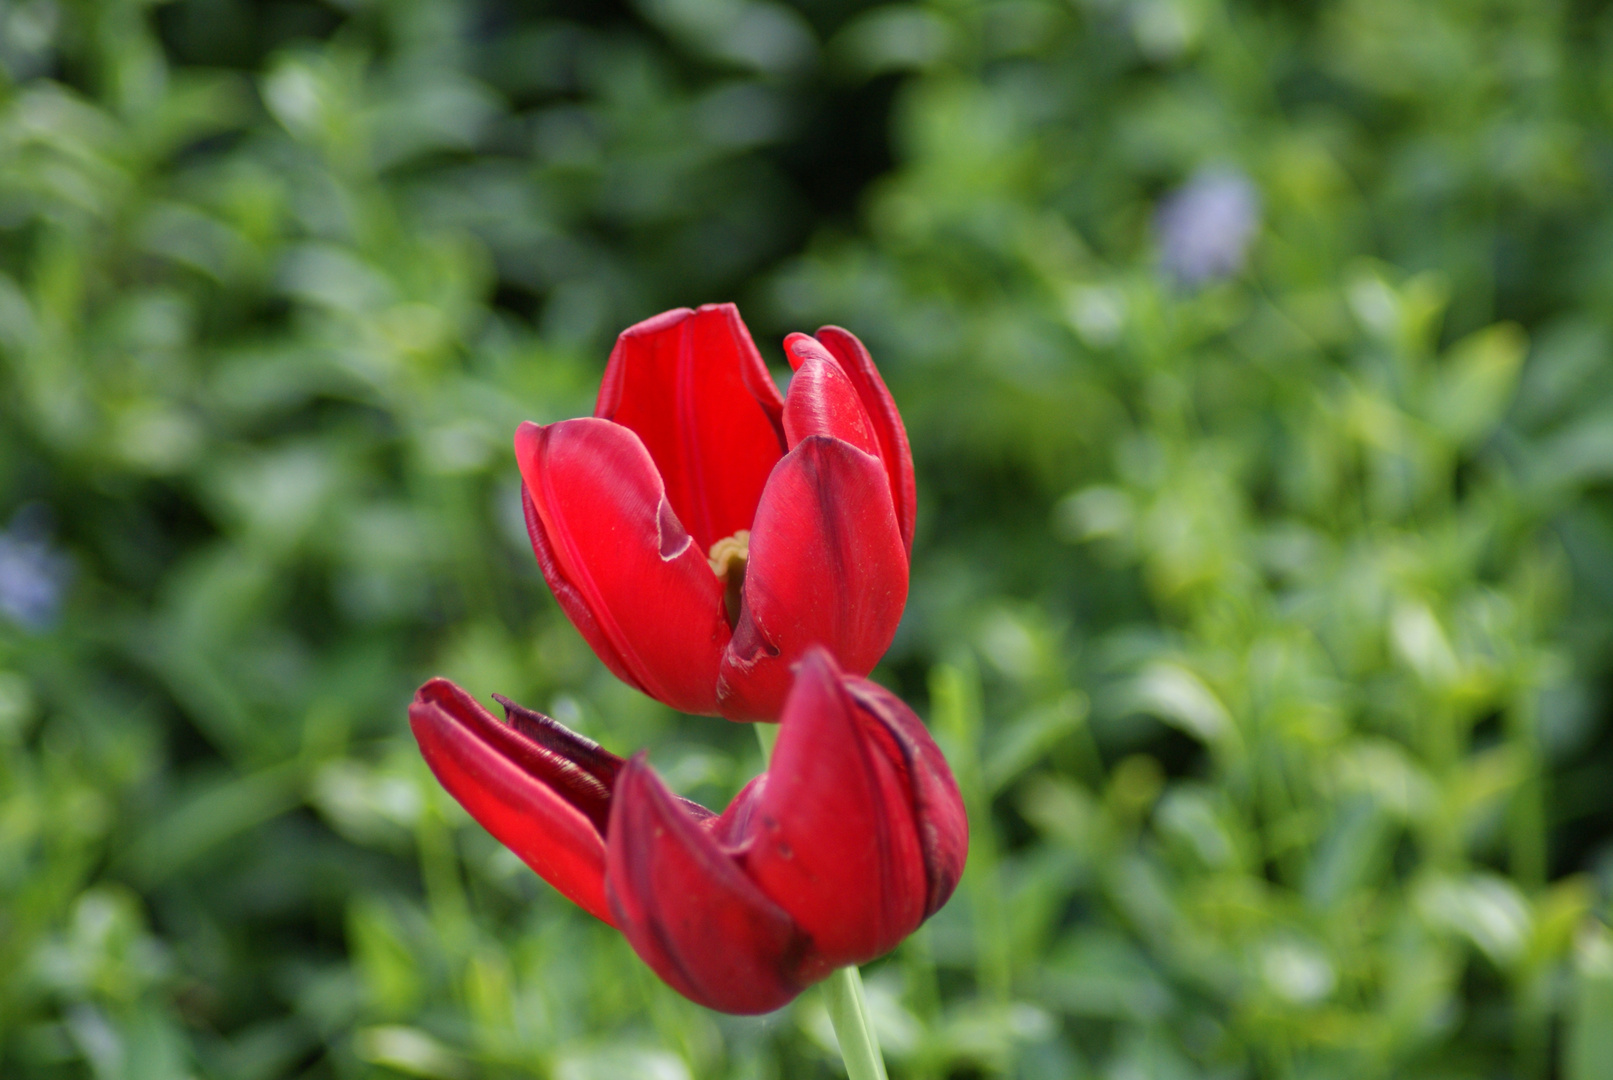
(1255, 357)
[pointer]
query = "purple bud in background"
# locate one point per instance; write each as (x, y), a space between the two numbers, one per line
(33, 573)
(1205, 225)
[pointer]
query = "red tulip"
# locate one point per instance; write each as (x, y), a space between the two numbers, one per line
(852, 838)
(701, 531)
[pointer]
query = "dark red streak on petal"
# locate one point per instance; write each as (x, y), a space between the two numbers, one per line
(561, 741)
(937, 804)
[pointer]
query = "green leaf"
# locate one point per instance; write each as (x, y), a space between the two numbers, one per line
(1476, 382)
(1588, 1039)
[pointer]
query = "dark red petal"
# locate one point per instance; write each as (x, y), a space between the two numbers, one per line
(578, 752)
(827, 567)
(822, 399)
(832, 837)
(519, 791)
(686, 908)
(943, 827)
(628, 576)
(887, 422)
(693, 387)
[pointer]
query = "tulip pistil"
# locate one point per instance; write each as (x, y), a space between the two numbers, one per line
(728, 558)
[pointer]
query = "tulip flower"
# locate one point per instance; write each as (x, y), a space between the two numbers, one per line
(701, 531)
(853, 837)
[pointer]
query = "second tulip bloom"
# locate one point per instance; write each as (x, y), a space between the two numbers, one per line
(853, 837)
(702, 531)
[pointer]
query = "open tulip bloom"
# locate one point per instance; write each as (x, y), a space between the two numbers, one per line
(853, 837)
(701, 531)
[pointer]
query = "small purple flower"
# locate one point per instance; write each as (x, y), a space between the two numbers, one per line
(1205, 225)
(33, 573)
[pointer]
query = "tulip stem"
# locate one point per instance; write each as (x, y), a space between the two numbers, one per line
(842, 991)
(848, 1011)
(767, 735)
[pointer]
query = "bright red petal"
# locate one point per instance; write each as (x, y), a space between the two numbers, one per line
(625, 572)
(827, 567)
(832, 837)
(570, 599)
(887, 422)
(686, 908)
(943, 828)
(521, 792)
(823, 400)
(693, 387)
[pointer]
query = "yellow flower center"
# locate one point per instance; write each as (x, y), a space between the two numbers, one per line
(728, 558)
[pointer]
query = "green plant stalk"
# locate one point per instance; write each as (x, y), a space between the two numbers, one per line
(1528, 840)
(955, 696)
(848, 1011)
(842, 991)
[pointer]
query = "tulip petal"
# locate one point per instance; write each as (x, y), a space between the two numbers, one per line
(693, 387)
(823, 401)
(894, 450)
(731, 828)
(832, 837)
(688, 910)
(532, 800)
(579, 755)
(943, 827)
(827, 567)
(625, 572)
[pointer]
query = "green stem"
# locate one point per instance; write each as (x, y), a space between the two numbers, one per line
(842, 991)
(848, 1011)
(767, 735)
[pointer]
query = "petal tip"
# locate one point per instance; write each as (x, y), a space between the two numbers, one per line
(656, 323)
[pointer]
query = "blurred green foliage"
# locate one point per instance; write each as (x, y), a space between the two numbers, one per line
(1263, 613)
